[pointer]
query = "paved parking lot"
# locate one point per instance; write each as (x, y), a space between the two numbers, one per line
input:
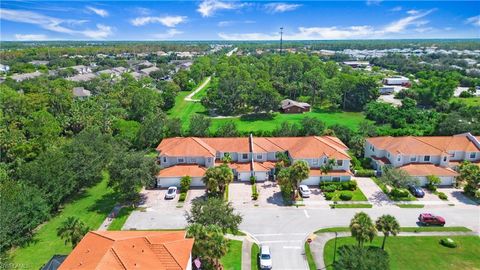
(316, 198)
(429, 197)
(194, 193)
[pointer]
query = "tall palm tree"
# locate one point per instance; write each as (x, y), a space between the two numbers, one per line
(362, 228)
(387, 224)
(72, 230)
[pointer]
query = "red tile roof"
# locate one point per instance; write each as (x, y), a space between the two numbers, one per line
(191, 170)
(318, 172)
(426, 169)
(111, 250)
(187, 146)
(265, 166)
(384, 160)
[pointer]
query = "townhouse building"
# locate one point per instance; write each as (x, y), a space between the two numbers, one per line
(250, 156)
(424, 156)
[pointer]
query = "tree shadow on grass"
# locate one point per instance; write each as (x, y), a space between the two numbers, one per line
(105, 204)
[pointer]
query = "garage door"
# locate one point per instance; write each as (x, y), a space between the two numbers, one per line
(311, 181)
(446, 181)
(244, 176)
(197, 182)
(168, 181)
(261, 176)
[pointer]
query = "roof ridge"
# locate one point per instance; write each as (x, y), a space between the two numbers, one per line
(101, 235)
(268, 139)
(341, 151)
(112, 249)
(417, 138)
(203, 144)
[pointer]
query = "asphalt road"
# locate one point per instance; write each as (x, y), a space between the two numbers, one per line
(285, 229)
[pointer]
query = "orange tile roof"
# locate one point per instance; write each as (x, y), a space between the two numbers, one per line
(191, 170)
(187, 146)
(425, 169)
(424, 145)
(238, 144)
(111, 250)
(238, 166)
(265, 166)
(384, 160)
(318, 172)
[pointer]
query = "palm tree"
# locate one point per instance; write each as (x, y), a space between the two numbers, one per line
(72, 230)
(362, 228)
(210, 244)
(387, 224)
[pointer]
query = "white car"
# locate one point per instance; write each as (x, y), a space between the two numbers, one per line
(265, 258)
(171, 193)
(304, 191)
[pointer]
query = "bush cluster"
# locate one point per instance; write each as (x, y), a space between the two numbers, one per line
(183, 197)
(346, 195)
(333, 186)
(442, 196)
(365, 173)
(254, 192)
(448, 242)
(399, 193)
(328, 195)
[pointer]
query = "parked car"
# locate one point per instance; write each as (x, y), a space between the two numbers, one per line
(430, 219)
(171, 193)
(304, 191)
(265, 258)
(416, 191)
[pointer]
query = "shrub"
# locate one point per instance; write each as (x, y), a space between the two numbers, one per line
(465, 94)
(185, 183)
(329, 188)
(448, 242)
(399, 193)
(365, 173)
(361, 258)
(253, 180)
(442, 196)
(346, 196)
(433, 181)
(183, 196)
(349, 185)
(254, 192)
(328, 195)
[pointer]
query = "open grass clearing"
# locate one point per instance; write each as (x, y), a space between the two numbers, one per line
(357, 195)
(92, 207)
(233, 259)
(410, 252)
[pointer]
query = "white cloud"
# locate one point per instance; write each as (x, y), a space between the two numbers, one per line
(373, 2)
(28, 37)
(337, 32)
(397, 8)
(281, 7)
(208, 7)
(55, 24)
(229, 23)
(100, 12)
(413, 12)
(475, 20)
(169, 34)
(169, 21)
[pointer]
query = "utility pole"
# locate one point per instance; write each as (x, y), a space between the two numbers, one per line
(281, 39)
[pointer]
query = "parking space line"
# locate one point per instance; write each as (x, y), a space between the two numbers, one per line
(306, 213)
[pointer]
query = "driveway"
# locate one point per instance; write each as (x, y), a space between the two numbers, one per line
(240, 194)
(269, 194)
(316, 198)
(373, 193)
(456, 196)
(430, 198)
(193, 194)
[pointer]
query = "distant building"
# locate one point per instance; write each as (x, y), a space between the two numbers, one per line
(397, 80)
(81, 69)
(386, 90)
(4, 68)
(26, 76)
(82, 77)
(357, 64)
(149, 70)
(39, 63)
(81, 92)
(291, 106)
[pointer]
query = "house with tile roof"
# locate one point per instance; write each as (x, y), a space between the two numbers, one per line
(110, 250)
(251, 156)
(424, 156)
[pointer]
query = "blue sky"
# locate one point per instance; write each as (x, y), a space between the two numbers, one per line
(237, 20)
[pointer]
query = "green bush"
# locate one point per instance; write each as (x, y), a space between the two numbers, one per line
(346, 196)
(183, 196)
(185, 183)
(442, 196)
(349, 185)
(253, 180)
(365, 173)
(400, 193)
(448, 242)
(329, 188)
(361, 258)
(328, 195)
(254, 192)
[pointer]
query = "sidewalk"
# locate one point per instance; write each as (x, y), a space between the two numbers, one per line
(246, 249)
(318, 244)
(189, 97)
(110, 218)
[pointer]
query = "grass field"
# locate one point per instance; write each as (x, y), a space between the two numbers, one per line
(121, 218)
(410, 252)
(357, 195)
(472, 101)
(91, 207)
(254, 255)
(233, 259)
(185, 109)
(403, 229)
(352, 205)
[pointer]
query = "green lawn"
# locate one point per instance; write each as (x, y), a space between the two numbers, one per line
(233, 259)
(91, 207)
(410, 252)
(254, 255)
(122, 216)
(199, 95)
(310, 260)
(357, 195)
(472, 101)
(352, 205)
(403, 229)
(402, 205)
(184, 109)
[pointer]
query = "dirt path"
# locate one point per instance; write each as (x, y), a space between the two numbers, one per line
(200, 88)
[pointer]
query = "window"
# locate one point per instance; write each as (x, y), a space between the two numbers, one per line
(373, 148)
(325, 161)
(181, 160)
(473, 155)
(388, 154)
(444, 158)
(259, 156)
(193, 160)
(315, 162)
(413, 159)
(399, 158)
(339, 162)
(426, 158)
(336, 179)
(209, 160)
(244, 156)
(164, 159)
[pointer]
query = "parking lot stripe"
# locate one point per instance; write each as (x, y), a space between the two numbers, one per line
(306, 213)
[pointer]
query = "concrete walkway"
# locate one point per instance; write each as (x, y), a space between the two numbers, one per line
(247, 242)
(110, 218)
(318, 244)
(200, 88)
(373, 193)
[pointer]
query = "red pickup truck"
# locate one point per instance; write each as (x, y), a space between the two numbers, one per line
(429, 219)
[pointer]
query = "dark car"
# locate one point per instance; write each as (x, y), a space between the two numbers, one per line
(416, 191)
(429, 219)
